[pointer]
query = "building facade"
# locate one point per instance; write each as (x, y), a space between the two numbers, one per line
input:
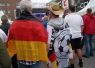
(8, 7)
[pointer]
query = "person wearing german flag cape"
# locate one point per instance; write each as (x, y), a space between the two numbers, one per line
(28, 39)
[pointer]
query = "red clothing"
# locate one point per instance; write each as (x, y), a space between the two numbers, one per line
(28, 39)
(89, 24)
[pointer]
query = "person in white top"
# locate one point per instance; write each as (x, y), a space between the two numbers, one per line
(3, 36)
(75, 23)
(5, 60)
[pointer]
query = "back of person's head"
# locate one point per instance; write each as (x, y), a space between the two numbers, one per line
(89, 10)
(93, 13)
(66, 12)
(25, 5)
(4, 18)
(72, 8)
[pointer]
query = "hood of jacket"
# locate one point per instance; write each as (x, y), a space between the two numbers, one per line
(25, 15)
(56, 23)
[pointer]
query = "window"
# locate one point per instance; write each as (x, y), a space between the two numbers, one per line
(2, 4)
(8, 12)
(7, 4)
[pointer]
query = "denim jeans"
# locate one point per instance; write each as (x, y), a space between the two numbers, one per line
(37, 65)
(88, 42)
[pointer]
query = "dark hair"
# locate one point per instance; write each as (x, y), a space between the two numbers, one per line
(66, 12)
(72, 8)
(4, 17)
(89, 10)
(93, 13)
(47, 13)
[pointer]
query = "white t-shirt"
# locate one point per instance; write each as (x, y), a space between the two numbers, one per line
(75, 23)
(3, 36)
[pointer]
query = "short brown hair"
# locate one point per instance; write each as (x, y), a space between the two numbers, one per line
(4, 17)
(72, 8)
(89, 10)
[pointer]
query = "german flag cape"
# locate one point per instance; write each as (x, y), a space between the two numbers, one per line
(28, 39)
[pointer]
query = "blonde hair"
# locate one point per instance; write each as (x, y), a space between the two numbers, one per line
(25, 5)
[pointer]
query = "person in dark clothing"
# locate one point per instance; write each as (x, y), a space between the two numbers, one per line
(5, 24)
(5, 27)
(45, 21)
(5, 61)
(14, 61)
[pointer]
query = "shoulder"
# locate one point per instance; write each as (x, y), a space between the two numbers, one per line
(29, 24)
(67, 16)
(85, 16)
(25, 22)
(48, 26)
(1, 31)
(3, 36)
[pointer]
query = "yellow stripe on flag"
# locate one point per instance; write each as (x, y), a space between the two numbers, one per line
(30, 50)
(54, 64)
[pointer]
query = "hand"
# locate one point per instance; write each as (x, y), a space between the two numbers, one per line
(61, 49)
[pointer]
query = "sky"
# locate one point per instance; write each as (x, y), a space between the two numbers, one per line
(40, 1)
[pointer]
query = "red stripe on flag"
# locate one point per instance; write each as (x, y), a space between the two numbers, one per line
(28, 31)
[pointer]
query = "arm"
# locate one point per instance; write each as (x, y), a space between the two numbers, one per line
(70, 52)
(3, 36)
(82, 24)
(49, 30)
(11, 43)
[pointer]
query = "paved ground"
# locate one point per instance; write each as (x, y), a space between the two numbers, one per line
(88, 62)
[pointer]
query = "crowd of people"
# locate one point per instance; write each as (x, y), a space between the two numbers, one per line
(51, 43)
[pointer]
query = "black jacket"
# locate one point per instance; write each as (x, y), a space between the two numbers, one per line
(5, 27)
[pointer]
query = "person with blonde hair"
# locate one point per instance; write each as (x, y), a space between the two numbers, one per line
(58, 38)
(28, 39)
